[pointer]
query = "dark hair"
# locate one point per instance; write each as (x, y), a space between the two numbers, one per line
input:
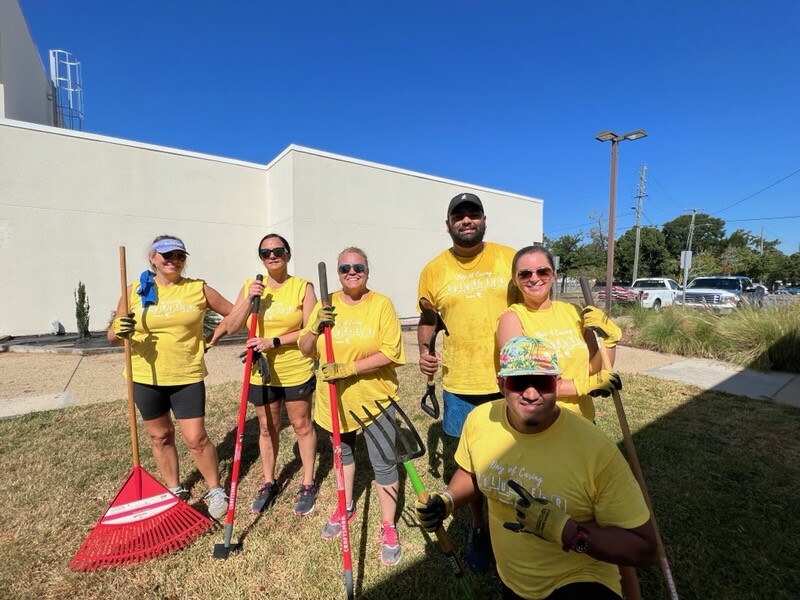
(280, 237)
(531, 250)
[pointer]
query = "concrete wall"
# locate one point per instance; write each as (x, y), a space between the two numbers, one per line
(396, 216)
(68, 200)
(24, 84)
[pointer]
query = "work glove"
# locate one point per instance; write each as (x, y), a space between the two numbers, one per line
(537, 516)
(431, 514)
(602, 383)
(597, 320)
(261, 361)
(333, 371)
(325, 316)
(123, 326)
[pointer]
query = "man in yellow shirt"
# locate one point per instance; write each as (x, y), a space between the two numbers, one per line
(469, 285)
(564, 507)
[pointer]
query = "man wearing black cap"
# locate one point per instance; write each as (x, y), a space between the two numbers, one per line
(469, 285)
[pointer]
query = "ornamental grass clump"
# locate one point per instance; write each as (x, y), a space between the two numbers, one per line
(763, 338)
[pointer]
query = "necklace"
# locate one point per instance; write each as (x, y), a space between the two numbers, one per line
(459, 260)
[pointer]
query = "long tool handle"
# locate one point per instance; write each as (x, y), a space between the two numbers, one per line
(337, 445)
(445, 543)
(123, 283)
(237, 452)
(633, 457)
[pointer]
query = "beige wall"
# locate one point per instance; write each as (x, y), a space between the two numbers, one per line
(24, 84)
(68, 200)
(396, 216)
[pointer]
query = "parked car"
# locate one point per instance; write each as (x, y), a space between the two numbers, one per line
(722, 291)
(793, 290)
(655, 292)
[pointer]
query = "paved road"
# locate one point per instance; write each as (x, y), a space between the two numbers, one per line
(48, 378)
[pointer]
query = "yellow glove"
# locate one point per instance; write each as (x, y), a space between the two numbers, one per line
(602, 384)
(431, 514)
(333, 371)
(325, 316)
(596, 319)
(537, 516)
(123, 326)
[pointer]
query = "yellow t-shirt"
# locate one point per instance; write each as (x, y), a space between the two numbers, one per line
(362, 330)
(167, 344)
(574, 465)
(562, 326)
(281, 311)
(470, 295)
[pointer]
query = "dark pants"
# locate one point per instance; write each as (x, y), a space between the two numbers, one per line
(572, 591)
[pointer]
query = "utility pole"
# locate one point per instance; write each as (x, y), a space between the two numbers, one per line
(691, 231)
(640, 195)
(761, 244)
(686, 258)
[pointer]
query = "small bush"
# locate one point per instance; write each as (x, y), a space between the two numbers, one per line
(82, 311)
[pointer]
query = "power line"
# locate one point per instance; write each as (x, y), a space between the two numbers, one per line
(758, 192)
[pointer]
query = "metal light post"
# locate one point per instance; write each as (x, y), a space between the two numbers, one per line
(610, 136)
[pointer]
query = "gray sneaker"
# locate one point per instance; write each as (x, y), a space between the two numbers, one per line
(307, 497)
(217, 501)
(265, 498)
(391, 553)
(333, 528)
(181, 492)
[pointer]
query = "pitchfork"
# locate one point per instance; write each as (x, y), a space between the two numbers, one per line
(409, 453)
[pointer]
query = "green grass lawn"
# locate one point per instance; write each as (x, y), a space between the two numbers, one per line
(723, 475)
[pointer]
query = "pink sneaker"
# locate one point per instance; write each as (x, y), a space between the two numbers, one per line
(390, 545)
(333, 528)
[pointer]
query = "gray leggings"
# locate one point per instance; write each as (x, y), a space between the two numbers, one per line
(385, 473)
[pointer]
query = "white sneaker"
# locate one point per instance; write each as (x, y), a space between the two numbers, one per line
(217, 501)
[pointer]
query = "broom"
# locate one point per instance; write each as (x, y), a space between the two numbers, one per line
(145, 519)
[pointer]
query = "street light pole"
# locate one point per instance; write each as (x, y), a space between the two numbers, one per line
(610, 136)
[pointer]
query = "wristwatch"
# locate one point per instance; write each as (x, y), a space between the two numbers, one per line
(579, 541)
(276, 342)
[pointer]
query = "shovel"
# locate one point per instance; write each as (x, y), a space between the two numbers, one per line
(409, 453)
(430, 314)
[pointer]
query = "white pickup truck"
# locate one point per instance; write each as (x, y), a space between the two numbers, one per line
(656, 292)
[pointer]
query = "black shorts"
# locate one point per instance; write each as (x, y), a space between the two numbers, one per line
(259, 395)
(187, 401)
(583, 590)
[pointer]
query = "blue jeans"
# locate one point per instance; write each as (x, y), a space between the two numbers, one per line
(458, 406)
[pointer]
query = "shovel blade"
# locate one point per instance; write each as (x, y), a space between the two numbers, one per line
(222, 551)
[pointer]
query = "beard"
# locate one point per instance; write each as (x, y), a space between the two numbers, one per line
(467, 240)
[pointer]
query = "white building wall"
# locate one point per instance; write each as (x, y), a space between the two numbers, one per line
(24, 84)
(68, 200)
(397, 217)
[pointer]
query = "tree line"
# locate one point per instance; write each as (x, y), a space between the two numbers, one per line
(714, 253)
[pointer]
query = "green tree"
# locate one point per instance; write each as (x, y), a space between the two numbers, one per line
(708, 236)
(566, 248)
(654, 259)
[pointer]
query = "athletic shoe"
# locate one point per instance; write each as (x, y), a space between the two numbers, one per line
(333, 528)
(390, 545)
(217, 501)
(181, 492)
(266, 497)
(307, 499)
(477, 550)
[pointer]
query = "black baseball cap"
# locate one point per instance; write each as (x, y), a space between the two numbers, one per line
(464, 198)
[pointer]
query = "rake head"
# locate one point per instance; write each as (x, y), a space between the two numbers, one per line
(405, 450)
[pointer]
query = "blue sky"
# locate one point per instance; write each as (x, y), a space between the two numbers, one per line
(506, 95)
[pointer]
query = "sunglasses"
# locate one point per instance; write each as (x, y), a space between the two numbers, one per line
(265, 253)
(344, 269)
(543, 273)
(174, 255)
(544, 384)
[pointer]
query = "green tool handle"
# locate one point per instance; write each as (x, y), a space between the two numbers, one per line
(445, 543)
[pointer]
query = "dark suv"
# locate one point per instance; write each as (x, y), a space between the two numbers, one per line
(722, 291)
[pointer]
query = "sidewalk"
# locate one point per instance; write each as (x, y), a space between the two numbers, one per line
(52, 374)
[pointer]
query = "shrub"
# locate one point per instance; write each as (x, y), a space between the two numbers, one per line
(82, 311)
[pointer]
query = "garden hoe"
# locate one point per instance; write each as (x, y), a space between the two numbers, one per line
(431, 315)
(408, 455)
(633, 457)
(225, 549)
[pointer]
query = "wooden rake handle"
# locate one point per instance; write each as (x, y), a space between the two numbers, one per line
(123, 283)
(633, 457)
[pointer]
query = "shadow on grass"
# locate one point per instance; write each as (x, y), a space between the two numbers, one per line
(723, 475)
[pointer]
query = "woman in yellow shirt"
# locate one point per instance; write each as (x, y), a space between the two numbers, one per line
(368, 346)
(287, 377)
(165, 327)
(565, 326)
